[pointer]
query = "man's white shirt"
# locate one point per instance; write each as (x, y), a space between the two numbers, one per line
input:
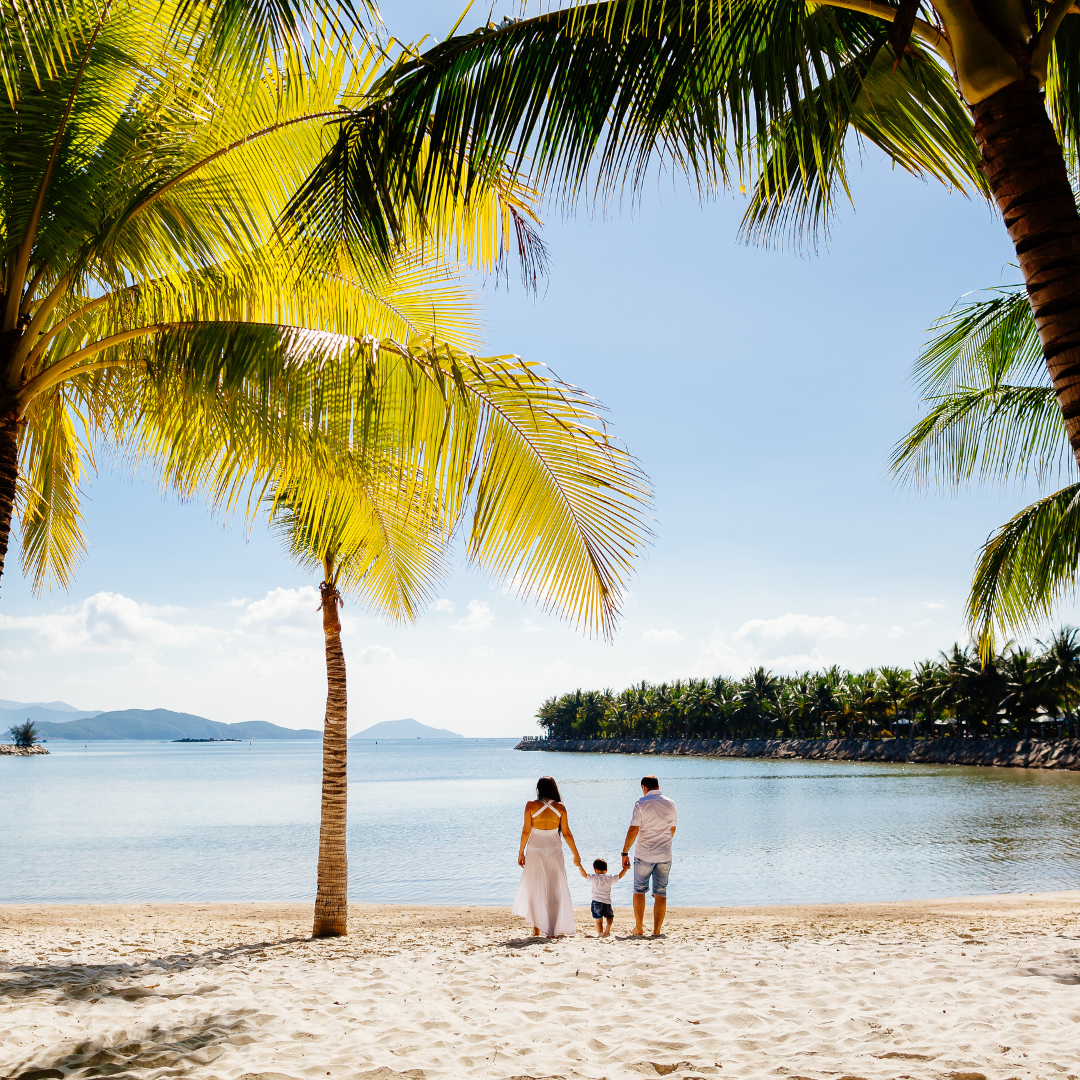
(654, 815)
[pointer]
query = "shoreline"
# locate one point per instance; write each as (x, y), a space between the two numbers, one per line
(997, 753)
(43, 913)
(972, 987)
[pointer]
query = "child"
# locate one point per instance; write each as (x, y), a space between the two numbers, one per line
(601, 883)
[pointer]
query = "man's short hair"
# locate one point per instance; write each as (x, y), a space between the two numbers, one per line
(650, 783)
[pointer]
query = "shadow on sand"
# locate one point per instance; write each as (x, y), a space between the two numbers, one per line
(84, 982)
(161, 1048)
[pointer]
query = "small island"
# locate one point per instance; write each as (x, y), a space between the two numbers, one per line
(208, 740)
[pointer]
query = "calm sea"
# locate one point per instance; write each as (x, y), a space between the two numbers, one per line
(438, 823)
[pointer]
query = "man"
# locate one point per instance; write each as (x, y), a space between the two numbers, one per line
(652, 826)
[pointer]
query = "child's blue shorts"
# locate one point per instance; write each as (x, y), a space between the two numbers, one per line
(600, 910)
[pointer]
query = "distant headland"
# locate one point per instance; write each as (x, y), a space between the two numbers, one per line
(405, 729)
(57, 721)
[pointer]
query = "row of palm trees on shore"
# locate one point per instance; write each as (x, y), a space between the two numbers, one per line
(1018, 692)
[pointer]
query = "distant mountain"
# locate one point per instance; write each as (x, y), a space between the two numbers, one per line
(57, 706)
(54, 712)
(164, 724)
(405, 729)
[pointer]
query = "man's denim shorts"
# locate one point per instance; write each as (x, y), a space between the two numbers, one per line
(658, 871)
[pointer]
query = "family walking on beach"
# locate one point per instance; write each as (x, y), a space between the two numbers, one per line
(543, 897)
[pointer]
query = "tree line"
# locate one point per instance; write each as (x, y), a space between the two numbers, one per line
(1018, 692)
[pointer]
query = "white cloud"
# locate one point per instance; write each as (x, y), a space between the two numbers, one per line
(480, 616)
(661, 635)
(376, 654)
(482, 652)
(787, 643)
(933, 605)
(896, 632)
(110, 622)
(281, 607)
(790, 632)
(557, 669)
(443, 605)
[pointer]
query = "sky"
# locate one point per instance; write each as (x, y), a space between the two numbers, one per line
(761, 391)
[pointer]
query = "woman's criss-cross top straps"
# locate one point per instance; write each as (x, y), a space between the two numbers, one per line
(547, 804)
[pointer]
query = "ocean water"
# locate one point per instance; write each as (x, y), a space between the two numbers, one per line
(438, 823)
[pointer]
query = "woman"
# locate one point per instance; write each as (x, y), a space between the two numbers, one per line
(543, 897)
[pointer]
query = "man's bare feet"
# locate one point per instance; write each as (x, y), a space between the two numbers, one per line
(638, 931)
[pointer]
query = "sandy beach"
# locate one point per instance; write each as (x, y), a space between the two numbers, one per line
(952, 989)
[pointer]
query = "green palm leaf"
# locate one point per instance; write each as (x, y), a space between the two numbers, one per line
(762, 91)
(993, 415)
(989, 433)
(1026, 567)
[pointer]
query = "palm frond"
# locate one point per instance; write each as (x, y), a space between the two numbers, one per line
(1063, 91)
(52, 467)
(203, 338)
(387, 550)
(1026, 567)
(987, 341)
(588, 98)
(993, 415)
(554, 506)
(992, 434)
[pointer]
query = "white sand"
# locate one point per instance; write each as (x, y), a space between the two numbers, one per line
(943, 989)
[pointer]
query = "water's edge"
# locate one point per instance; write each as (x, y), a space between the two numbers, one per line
(1009, 753)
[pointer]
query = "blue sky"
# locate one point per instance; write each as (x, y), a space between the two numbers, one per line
(760, 390)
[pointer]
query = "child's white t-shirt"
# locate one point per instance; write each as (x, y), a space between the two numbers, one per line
(601, 886)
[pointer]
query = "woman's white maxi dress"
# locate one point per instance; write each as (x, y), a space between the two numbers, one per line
(543, 897)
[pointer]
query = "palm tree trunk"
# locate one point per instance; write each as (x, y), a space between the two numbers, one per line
(332, 893)
(1025, 168)
(9, 471)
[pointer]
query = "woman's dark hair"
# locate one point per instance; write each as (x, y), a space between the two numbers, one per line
(546, 788)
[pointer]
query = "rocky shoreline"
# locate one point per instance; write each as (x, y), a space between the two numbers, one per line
(1007, 753)
(21, 751)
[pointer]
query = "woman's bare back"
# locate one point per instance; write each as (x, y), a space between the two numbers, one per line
(547, 818)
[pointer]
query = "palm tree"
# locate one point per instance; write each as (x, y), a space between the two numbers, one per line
(825, 706)
(797, 703)
(896, 686)
(149, 151)
(548, 507)
(1026, 691)
(762, 92)
(1060, 661)
(927, 686)
(860, 696)
(590, 713)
